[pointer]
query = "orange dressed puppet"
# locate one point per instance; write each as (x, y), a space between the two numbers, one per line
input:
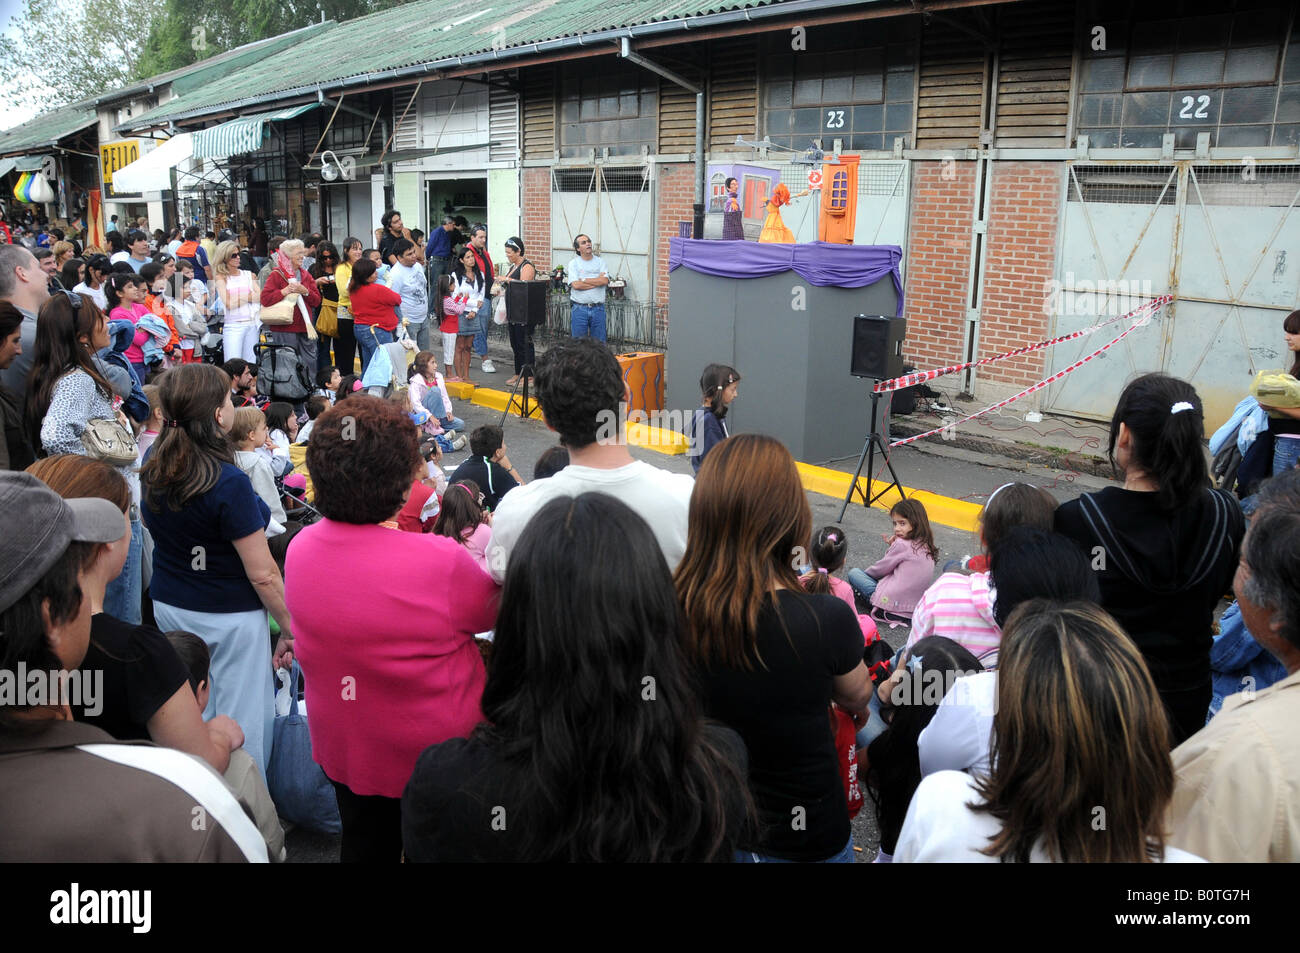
(774, 228)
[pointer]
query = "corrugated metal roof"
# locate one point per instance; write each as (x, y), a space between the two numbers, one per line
(428, 31)
(241, 135)
(45, 130)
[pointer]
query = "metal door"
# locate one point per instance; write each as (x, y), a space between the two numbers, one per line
(612, 205)
(1219, 236)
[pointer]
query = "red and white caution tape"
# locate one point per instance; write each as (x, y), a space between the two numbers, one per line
(1158, 302)
(920, 377)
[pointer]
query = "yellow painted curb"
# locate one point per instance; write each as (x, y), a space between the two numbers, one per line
(941, 509)
(659, 440)
(461, 390)
(498, 399)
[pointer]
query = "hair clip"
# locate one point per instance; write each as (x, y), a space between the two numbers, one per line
(822, 570)
(833, 537)
(356, 385)
(1179, 407)
(173, 423)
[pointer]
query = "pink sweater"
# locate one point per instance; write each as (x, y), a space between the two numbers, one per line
(958, 607)
(844, 591)
(135, 353)
(904, 572)
(388, 654)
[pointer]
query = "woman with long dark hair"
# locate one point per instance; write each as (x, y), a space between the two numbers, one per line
(322, 272)
(592, 747)
(470, 288)
(1080, 770)
(1164, 545)
(213, 573)
(771, 658)
(345, 345)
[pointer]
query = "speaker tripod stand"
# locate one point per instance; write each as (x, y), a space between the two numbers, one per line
(525, 376)
(868, 457)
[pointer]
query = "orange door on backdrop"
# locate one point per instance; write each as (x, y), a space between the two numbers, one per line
(95, 218)
(643, 371)
(839, 211)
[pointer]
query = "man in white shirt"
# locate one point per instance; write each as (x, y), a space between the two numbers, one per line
(587, 277)
(407, 279)
(580, 387)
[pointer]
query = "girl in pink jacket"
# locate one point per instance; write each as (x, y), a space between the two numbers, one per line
(897, 581)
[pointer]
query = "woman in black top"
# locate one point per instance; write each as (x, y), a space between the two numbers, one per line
(1164, 545)
(771, 658)
(322, 270)
(592, 747)
(1284, 422)
(521, 334)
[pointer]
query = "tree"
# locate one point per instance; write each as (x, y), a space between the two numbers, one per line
(191, 30)
(63, 51)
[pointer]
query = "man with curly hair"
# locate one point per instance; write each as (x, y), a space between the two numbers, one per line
(580, 387)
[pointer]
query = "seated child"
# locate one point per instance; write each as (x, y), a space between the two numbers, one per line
(464, 520)
(488, 465)
(282, 424)
(243, 774)
(249, 434)
(895, 583)
(959, 606)
(420, 511)
(328, 380)
(316, 405)
(829, 549)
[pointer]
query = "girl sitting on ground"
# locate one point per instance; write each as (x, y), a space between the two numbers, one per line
(959, 606)
(463, 519)
(895, 584)
(428, 390)
(827, 554)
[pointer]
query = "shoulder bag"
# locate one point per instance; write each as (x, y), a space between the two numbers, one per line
(109, 441)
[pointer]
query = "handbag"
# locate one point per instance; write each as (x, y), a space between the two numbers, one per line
(327, 322)
(109, 441)
(282, 312)
(299, 788)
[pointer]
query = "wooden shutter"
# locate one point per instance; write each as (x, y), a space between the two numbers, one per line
(733, 93)
(950, 101)
(503, 124)
(539, 112)
(1034, 63)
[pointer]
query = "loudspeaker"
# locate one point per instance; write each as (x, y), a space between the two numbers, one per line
(878, 346)
(526, 302)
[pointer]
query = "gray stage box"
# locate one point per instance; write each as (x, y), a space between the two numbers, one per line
(794, 364)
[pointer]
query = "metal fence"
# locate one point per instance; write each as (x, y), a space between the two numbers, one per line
(629, 325)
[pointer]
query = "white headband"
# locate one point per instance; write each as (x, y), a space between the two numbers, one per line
(1179, 407)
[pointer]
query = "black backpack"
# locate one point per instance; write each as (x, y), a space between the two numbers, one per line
(280, 374)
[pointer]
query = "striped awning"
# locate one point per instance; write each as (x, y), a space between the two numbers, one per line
(241, 135)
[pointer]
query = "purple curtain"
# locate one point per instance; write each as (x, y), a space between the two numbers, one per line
(824, 264)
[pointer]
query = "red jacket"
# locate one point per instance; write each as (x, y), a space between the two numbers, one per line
(273, 293)
(374, 304)
(484, 259)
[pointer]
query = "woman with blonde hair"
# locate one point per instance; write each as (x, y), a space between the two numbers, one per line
(770, 657)
(237, 291)
(1080, 766)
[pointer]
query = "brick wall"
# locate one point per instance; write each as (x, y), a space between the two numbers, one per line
(676, 203)
(1024, 213)
(536, 216)
(938, 261)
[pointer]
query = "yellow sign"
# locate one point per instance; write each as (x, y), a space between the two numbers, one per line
(117, 155)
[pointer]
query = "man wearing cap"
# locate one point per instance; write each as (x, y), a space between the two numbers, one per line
(68, 791)
(22, 284)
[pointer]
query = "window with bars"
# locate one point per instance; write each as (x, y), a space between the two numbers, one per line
(852, 82)
(1188, 67)
(613, 107)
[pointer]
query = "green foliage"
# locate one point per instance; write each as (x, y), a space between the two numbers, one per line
(62, 51)
(191, 30)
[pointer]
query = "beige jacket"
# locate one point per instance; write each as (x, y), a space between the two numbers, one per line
(1237, 796)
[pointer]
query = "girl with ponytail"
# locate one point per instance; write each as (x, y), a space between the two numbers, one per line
(1164, 544)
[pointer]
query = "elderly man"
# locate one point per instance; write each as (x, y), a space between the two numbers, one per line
(587, 277)
(1237, 794)
(24, 285)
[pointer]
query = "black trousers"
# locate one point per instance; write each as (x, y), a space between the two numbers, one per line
(372, 827)
(521, 342)
(345, 349)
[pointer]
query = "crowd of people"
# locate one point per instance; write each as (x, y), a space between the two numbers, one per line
(607, 662)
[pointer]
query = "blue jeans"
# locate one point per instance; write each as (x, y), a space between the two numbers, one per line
(1286, 453)
(369, 337)
(588, 319)
(862, 584)
(420, 331)
(484, 317)
(122, 597)
(845, 856)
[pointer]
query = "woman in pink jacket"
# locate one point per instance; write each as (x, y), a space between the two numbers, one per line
(895, 584)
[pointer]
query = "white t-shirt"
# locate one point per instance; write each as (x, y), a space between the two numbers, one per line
(661, 498)
(94, 294)
(941, 828)
(960, 734)
(114, 258)
(581, 268)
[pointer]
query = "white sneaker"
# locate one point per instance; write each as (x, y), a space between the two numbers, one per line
(488, 366)
(459, 443)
